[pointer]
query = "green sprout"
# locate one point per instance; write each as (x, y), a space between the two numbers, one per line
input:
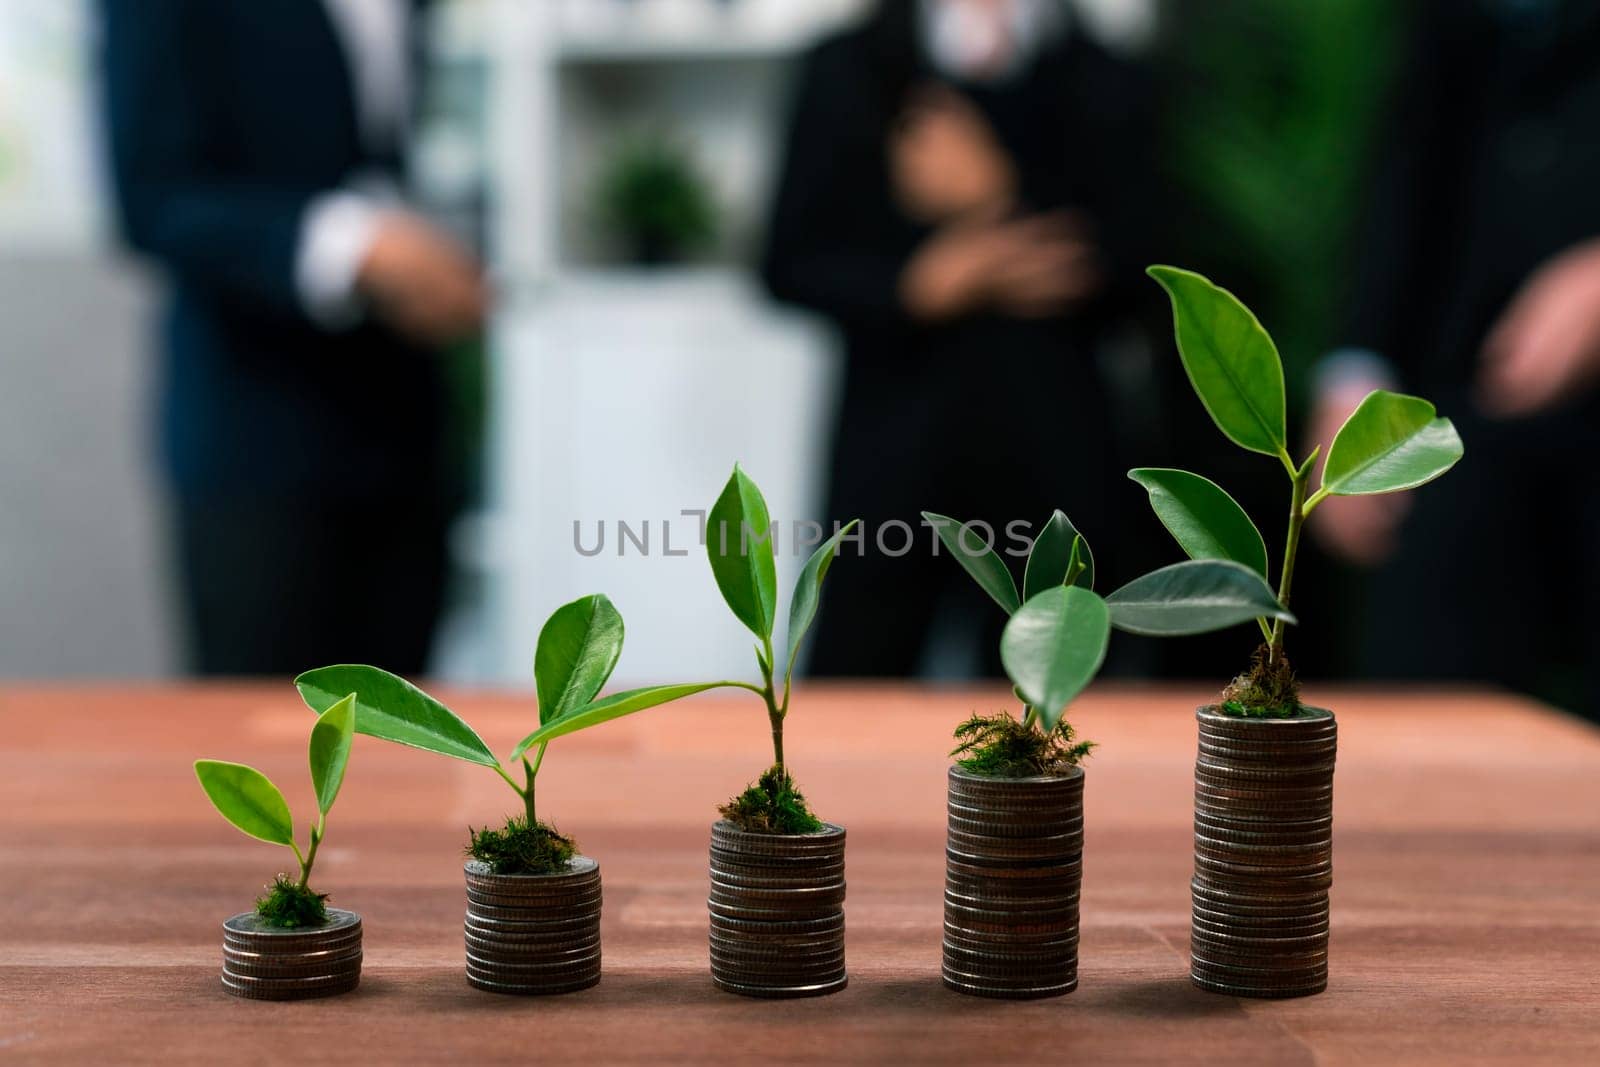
(248, 799)
(578, 649)
(1390, 443)
(1059, 629)
(741, 545)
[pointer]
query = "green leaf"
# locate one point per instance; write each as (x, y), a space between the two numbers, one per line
(979, 559)
(1231, 361)
(738, 542)
(1194, 597)
(612, 707)
(330, 750)
(1051, 557)
(1390, 442)
(808, 589)
(1053, 646)
(392, 709)
(248, 799)
(1202, 517)
(578, 649)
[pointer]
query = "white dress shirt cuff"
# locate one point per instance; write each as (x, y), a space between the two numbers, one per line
(336, 232)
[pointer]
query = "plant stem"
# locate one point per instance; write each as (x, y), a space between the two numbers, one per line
(775, 711)
(1297, 518)
(1030, 714)
(532, 771)
(311, 853)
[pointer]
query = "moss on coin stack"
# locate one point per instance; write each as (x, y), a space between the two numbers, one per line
(262, 962)
(1263, 853)
(777, 911)
(533, 933)
(1013, 870)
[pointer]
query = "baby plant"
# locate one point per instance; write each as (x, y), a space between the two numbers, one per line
(741, 548)
(1059, 629)
(577, 650)
(1389, 443)
(248, 799)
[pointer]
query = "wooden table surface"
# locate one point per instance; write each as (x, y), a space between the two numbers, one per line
(1466, 909)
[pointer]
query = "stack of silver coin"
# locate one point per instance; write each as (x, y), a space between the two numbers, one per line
(1013, 870)
(1263, 853)
(264, 962)
(777, 912)
(533, 933)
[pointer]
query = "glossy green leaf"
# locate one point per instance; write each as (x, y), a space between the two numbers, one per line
(1053, 646)
(1390, 442)
(738, 541)
(607, 708)
(1051, 557)
(392, 709)
(978, 559)
(1230, 359)
(808, 589)
(1205, 521)
(248, 799)
(578, 648)
(330, 750)
(1194, 597)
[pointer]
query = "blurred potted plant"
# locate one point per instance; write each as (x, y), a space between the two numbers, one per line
(292, 946)
(533, 901)
(655, 200)
(1264, 772)
(1014, 852)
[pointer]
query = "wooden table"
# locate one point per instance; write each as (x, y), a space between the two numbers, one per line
(1466, 922)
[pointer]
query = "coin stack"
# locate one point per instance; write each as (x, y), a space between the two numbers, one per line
(533, 933)
(1263, 853)
(1013, 868)
(264, 962)
(777, 915)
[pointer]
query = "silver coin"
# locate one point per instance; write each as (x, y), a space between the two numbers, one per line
(749, 989)
(493, 984)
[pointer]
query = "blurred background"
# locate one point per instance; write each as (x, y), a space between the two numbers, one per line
(620, 244)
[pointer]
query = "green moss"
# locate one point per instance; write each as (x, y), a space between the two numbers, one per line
(772, 805)
(289, 905)
(1268, 690)
(1002, 747)
(521, 847)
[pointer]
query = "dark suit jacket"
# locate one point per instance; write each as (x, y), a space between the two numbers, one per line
(1491, 167)
(225, 119)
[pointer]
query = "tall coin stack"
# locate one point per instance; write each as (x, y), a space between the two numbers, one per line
(264, 962)
(533, 933)
(1013, 869)
(777, 912)
(1263, 853)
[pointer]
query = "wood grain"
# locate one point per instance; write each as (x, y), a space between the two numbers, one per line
(1466, 905)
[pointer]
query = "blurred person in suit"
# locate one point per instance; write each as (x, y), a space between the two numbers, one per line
(256, 155)
(1479, 287)
(963, 192)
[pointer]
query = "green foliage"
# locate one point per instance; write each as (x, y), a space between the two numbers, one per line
(739, 544)
(1206, 522)
(392, 709)
(607, 708)
(291, 905)
(1268, 690)
(808, 592)
(978, 558)
(1193, 597)
(330, 750)
(578, 648)
(1390, 442)
(1001, 746)
(522, 847)
(247, 799)
(1053, 647)
(654, 196)
(772, 805)
(1051, 559)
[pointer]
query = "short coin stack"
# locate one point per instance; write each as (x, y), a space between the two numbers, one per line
(533, 933)
(1263, 853)
(264, 962)
(1013, 869)
(777, 912)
